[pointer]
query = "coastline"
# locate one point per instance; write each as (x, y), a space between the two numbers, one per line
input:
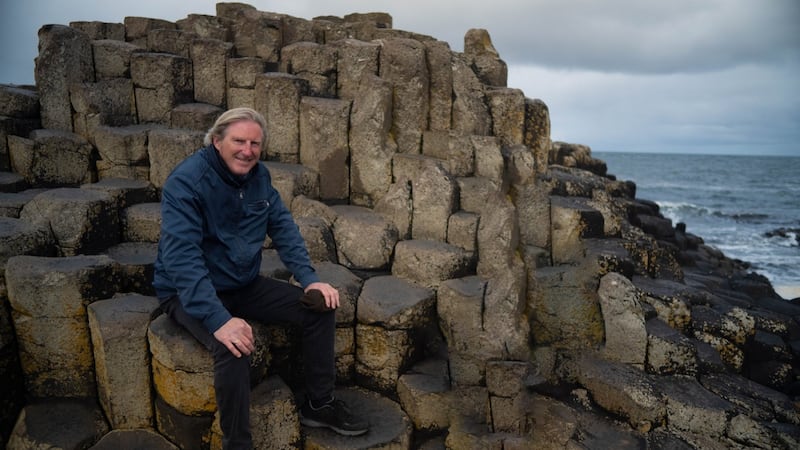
(788, 292)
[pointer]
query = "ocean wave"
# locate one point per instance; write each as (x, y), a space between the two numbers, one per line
(678, 211)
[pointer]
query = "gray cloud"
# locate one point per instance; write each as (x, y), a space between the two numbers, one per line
(681, 75)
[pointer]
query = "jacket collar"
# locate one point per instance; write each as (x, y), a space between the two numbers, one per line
(218, 164)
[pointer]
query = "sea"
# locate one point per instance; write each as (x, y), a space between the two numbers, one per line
(746, 206)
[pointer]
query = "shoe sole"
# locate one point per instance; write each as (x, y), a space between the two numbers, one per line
(313, 423)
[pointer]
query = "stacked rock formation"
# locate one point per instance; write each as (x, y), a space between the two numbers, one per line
(500, 290)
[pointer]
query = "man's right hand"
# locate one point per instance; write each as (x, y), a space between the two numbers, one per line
(237, 336)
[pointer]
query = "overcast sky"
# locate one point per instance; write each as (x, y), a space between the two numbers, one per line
(689, 76)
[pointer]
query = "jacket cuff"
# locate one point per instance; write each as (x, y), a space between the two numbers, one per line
(217, 320)
(307, 278)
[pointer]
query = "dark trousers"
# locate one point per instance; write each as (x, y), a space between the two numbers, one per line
(271, 302)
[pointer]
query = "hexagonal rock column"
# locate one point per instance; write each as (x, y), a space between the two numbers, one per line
(291, 180)
(51, 158)
(423, 392)
(141, 438)
(135, 264)
(167, 148)
(122, 361)
(572, 221)
(83, 221)
(160, 82)
(61, 423)
(393, 317)
(273, 417)
(430, 262)
(183, 373)
(65, 57)
(48, 298)
(183, 377)
(20, 237)
(364, 239)
(142, 222)
(323, 144)
(389, 426)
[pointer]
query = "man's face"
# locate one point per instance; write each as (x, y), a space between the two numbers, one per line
(240, 147)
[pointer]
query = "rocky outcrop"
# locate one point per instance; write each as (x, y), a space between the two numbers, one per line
(499, 290)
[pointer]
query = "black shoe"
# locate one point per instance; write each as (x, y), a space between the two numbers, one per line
(334, 415)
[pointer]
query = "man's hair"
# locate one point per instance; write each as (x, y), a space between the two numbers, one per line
(232, 116)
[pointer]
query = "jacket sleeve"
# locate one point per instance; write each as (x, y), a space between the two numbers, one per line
(287, 239)
(182, 255)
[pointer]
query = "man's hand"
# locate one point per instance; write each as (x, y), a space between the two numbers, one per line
(329, 292)
(237, 336)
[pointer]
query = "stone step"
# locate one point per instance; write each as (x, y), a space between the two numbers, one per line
(20, 237)
(58, 423)
(274, 422)
(11, 203)
(429, 263)
(572, 221)
(83, 221)
(393, 317)
(389, 427)
(133, 439)
(669, 351)
(364, 238)
(141, 222)
(124, 191)
(12, 182)
(135, 261)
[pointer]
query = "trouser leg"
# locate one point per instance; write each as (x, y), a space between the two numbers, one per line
(231, 380)
(276, 302)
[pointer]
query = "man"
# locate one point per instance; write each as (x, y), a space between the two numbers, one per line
(216, 208)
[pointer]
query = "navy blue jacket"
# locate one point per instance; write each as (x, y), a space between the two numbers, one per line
(213, 228)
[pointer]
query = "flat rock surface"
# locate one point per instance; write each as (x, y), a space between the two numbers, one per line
(389, 427)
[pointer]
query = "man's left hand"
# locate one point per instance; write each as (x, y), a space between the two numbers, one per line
(329, 292)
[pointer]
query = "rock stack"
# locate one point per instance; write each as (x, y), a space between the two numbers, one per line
(500, 290)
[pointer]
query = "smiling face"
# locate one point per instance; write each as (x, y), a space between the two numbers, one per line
(240, 146)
